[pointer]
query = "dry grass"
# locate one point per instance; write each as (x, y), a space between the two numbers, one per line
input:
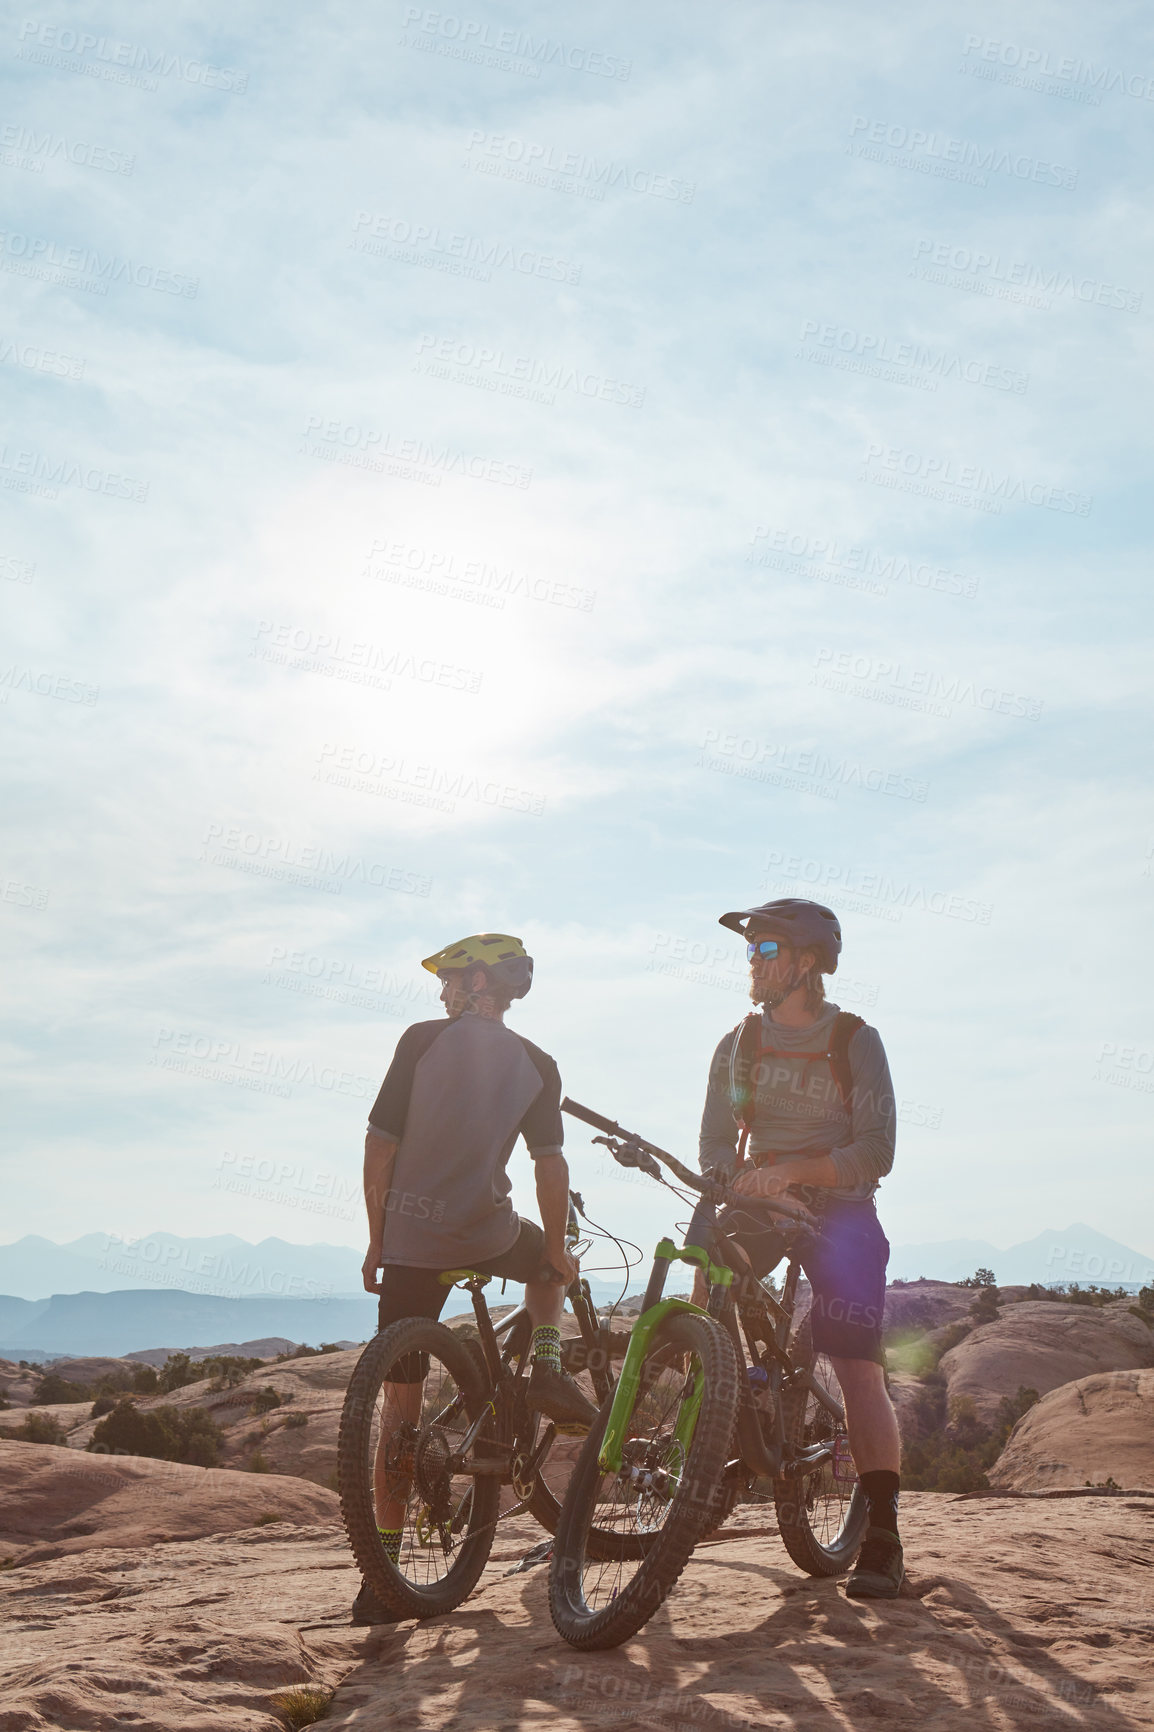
(303, 1705)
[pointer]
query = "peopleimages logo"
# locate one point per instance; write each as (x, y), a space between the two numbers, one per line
(1037, 63)
(888, 896)
(989, 273)
(927, 689)
(933, 153)
(849, 563)
(966, 483)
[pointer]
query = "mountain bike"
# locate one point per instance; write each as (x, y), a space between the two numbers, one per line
(713, 1407)
(436, 1421)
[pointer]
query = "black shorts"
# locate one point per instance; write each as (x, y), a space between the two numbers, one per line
(846, 1267)
(410, 1292)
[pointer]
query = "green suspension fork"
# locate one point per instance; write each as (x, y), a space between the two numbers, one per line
(655, 1310)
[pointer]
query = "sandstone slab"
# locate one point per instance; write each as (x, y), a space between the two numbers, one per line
(1096, 1429)
(1020, 1613)
(1042, 1344)
(55, 1501)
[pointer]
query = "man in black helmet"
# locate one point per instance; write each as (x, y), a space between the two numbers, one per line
(458, 1093)
(800, 1095)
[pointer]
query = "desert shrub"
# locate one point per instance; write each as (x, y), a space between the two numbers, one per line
(185, 1434)
(266, 1399)
(102, 1404)
(980, 1278)
(958, 1446)
(227, 1369)
(145, 1379)
(1091, 1294)
(295, 1420)
(303, 1705)
(36, 1428)
(52, 1388)
(259, 1464)
(985, 1307)
(176, 1372)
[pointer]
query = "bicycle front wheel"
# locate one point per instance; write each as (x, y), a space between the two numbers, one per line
(822, 1514)
(663, 1498)
(420, 1528)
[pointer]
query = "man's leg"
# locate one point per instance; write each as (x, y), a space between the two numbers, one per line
(870, 1416)
(400, 1405)
(877, 1449)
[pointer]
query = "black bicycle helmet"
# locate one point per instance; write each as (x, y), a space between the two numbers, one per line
(808, 925)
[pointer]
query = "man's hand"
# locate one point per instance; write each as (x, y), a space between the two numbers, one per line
(769, 1182)
(369, 1268)
(565, 1265)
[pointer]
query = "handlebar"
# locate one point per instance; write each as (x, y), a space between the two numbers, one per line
(630, 1150)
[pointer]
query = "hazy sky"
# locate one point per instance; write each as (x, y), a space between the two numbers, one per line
(572, 471)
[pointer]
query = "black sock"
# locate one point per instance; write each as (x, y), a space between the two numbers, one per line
(881, 1489)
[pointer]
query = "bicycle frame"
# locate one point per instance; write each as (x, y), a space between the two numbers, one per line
(765, 1460)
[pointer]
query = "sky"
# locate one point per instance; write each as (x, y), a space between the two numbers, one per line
(572, 472)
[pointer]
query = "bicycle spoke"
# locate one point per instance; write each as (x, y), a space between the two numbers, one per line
(633, 1504)
(417, 1428)
(828, 1490)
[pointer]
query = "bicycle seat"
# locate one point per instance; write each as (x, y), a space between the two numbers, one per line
(450, 1277)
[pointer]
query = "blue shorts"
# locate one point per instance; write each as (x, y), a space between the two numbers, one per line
(846, 1267)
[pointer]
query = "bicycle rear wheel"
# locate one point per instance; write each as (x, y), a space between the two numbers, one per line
(822, 1515)
(676, 1444)
(411, 1400)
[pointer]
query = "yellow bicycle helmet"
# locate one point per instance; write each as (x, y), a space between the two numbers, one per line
(503, 958)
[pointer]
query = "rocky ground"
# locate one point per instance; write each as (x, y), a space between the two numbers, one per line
(146, 1601)
(1096, 1429)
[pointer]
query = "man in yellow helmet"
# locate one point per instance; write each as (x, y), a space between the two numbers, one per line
(457, 1095)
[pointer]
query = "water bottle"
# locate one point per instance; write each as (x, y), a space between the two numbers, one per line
(758, 1385)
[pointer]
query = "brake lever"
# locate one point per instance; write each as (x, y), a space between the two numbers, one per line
(631, 1155)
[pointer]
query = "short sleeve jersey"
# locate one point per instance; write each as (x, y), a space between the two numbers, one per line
(456, 1097)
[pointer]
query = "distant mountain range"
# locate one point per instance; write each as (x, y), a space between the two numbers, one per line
(1079, 1253)
(98, 1295)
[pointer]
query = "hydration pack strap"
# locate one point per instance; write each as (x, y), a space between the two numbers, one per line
(747, 1048)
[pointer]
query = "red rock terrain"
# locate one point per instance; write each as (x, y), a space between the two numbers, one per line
(1084, 1433)
(1042, 1344)
(1020, 1612)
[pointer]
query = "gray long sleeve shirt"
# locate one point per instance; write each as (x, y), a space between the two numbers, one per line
(797, 1109)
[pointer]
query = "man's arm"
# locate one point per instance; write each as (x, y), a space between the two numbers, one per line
(552, 1175)
(717, 1146)
(380, 1154)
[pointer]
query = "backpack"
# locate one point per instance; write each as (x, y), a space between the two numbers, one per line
(747, 1047)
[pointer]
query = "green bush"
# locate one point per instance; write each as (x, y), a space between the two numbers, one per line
(176, 1373)
(52, 1388)
(103, 1404)
(227, 1370)
(980, 1278)
(266, 1399)
(37, 1428)
(958, 1447)
(296, 1419)
(985, 1307)
(185, 1434)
